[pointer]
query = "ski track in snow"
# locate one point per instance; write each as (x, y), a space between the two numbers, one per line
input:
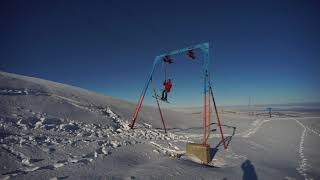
(255, 127)
(312, 130)
(304, 166)
(303, 163)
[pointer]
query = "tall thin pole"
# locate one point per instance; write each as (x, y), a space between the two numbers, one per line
(205, 50)
(205, 110)
(156, 97)
(249, 105)
(218, 118)
(209, 118)
(205, 120)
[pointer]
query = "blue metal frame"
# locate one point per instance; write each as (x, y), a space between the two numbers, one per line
(203, 46)
(205, 49)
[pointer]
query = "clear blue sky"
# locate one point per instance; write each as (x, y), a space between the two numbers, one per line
(269, 50)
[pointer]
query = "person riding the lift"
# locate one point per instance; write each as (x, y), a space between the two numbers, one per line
(167, 87)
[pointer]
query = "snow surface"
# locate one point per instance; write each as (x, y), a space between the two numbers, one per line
(50, 130)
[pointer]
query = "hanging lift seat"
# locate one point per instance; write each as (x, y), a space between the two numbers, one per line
(199, 153)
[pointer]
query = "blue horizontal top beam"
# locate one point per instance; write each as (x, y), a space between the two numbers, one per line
(202, 46)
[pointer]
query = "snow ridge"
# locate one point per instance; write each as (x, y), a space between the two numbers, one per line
(71, 132)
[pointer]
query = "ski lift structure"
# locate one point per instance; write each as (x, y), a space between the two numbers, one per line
(200, 151)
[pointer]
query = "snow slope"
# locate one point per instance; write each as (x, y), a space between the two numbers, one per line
(50, 130)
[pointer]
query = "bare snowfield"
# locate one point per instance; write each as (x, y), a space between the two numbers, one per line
(50, 130)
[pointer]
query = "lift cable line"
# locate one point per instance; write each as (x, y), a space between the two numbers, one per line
(207, 94)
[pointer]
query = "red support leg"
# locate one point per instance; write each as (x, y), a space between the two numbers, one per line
(164, 126)
(134, 117)
(205, 119)
(209, 118)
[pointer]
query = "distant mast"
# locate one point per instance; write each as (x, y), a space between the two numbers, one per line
(269, 110)
(249, 105)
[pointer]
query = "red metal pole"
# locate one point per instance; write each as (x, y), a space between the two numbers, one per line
(205, 119)
(209, 118)
(134, 117)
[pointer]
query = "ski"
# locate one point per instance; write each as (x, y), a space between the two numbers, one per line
(159, 98)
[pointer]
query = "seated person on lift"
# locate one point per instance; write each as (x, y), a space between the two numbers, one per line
(167, 87)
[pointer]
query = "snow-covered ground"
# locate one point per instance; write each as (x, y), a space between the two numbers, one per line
(50, 130)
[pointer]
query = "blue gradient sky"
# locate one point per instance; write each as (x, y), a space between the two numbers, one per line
(269, 50)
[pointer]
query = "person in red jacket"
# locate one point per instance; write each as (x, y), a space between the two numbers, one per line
(167, 87)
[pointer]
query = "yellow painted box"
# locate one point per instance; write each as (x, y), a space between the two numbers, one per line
(199, 152)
